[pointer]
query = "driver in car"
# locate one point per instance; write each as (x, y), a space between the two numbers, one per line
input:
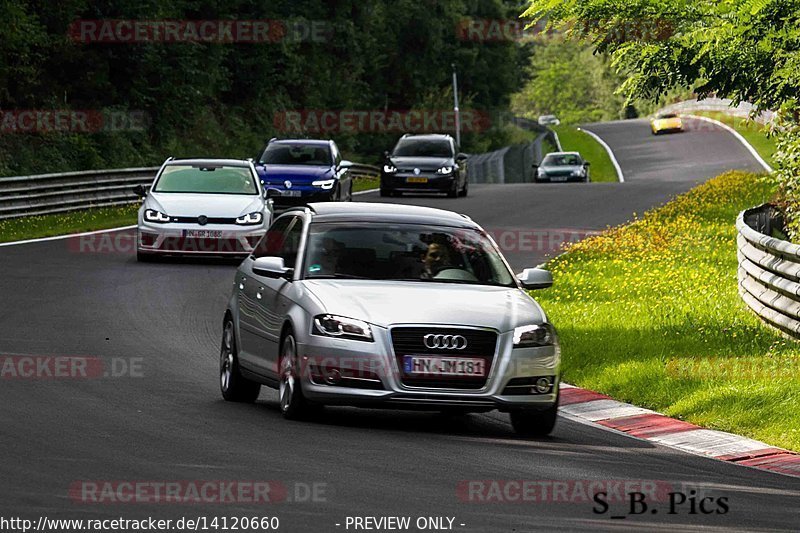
(438, 257)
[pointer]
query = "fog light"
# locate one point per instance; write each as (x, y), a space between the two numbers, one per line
(542, 385)
(332, 376)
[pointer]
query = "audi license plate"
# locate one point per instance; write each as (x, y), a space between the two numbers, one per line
(427, 365)
(202, 234)
(293, 194)
(416, 180)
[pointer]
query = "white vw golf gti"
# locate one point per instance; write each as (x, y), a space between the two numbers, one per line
(202, 207)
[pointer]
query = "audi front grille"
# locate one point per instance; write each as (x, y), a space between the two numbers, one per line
(480, 344)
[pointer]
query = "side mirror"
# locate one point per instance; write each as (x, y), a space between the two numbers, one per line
(534, 166)
(461, 157)
(344, 163)
(386, 154)
(586, 163)
(140, 191)
(271, 267)
(535, 278)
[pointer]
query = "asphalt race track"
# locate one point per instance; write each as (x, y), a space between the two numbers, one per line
(161, 419)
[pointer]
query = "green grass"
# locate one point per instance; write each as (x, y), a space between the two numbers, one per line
(63, 224)
(753, 132)
(573, 140)
(95, 219)
(364, 184)
(649, 313)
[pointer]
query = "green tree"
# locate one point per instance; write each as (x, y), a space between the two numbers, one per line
(746, 50)
(569, 81)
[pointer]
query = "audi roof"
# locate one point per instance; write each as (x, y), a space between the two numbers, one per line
(369, 212)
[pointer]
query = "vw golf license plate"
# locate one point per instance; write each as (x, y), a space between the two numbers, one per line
(293, 194)
(416, 180)
(426, 365)
(202, 234)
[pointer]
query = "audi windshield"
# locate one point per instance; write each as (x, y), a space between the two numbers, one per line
(404, 252)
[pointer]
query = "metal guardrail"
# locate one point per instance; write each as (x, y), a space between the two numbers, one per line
(723, 105)
(364, 171)
(48, 194)
(769, 270)
(513, 164)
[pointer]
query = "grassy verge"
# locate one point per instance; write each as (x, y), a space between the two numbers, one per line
(95, 219)
(753, 132)
(18, 229)
(649, 313)
(573, 140)
(364, 184)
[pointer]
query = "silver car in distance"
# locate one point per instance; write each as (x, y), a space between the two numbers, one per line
(202, 207)
(389, 305)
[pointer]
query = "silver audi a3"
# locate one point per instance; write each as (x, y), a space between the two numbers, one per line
(389, 305)
(203, 207)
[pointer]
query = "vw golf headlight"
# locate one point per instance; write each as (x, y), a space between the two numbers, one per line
(342, 327)
(445, 170)
(534, 335)
(256, 217)
(325, 184)
(151, 215)
(389, 169)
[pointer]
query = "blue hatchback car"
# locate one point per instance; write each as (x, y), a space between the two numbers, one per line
(299, 171)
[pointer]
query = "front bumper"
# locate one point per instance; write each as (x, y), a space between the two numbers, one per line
(375, 379)
(559, 178)
(308, 194)
(175, 239)
(399, 182)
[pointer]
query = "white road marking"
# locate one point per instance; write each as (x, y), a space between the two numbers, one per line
(611, 155)
(738, 136)
(59, 237)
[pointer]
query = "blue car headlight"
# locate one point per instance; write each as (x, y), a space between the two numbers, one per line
(324, 184)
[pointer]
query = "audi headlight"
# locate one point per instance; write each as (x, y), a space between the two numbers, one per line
(325, 184)
(540, 172)
(151, 215)
(534, 335)
(342, 327)
(256, 217)
(577, 173)
(389, 169)
(445, 170)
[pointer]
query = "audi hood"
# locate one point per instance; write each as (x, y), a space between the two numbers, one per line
(386, 303)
